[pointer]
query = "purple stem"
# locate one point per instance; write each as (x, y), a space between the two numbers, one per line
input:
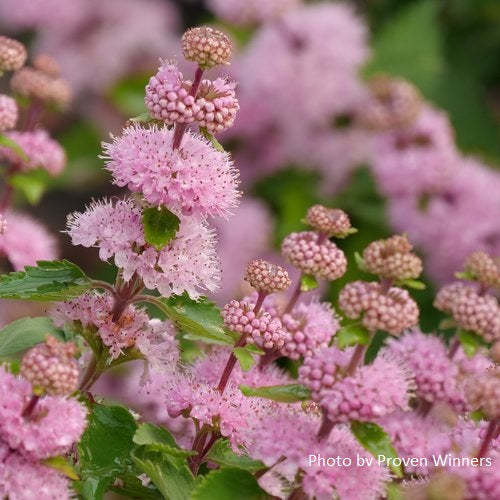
(293, 299)
(28, 410)
(490, 434)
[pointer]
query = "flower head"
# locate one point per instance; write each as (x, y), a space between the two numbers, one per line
(484, 268)
(8, 113)
(329, 221)
(207, 47)
(483, 392)
(267, 277)
(322, 259)
(12, 54)
(194, 179)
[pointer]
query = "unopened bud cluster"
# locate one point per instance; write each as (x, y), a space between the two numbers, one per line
(390, 311)
(267, 277)
(51, 367)
(484, 268)
(12, 54)
(207, 47)
(483, 393)
(259, 328)
(8, 113)
(392, 259)
(329, 221)
(394, 103)
(322, 259)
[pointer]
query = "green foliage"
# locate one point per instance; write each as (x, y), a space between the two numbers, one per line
(290, 393)
(211, 138)
(199, 320)
(222, 454)
(375, 440)
(128, 94)
(409, 283)
(159, 439)
(31, 184)
(352, 335)
(308, 282)
(48, 281)
(25, 333)
(228, 484)
(105, 448)
(245, 358)
(160, 226)
(470, 342)
(7, 142)
(62, 465)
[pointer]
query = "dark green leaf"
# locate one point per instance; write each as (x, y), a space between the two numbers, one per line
(352, 335)
(105, 448)
(244, 357)
(49, 281)
(375, 440)
(25, 333)
(229, 484)
(160, 226)
(171, 476)
(470, 342)
(308, 282)
(62, 465)
(290, 393)
(199, 320)
(211, 138)
(7, 142)
(159, 439)
(222, 454)
(32, 184)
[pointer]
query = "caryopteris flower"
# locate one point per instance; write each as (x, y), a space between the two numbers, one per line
(267, 277)
(12, 54)
(8, 113)
(207, 47)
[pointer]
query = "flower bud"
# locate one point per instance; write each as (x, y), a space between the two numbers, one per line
(207, 47)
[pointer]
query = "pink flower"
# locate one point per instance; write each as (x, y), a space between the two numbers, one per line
(187, 263)
(53, 427)
(195, 179)
(40, 149)
(8, 113)
(22, 479)
(25, 241)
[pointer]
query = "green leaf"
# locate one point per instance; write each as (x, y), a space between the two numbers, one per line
(470, 342)
(308, 282)
(409, 283)
(199, 320)
(128, 94)
(62, 465)
(290, 393)
(211, 138)
(32, 184)
(228, 484)
(222, 454)
(25, 333)
(172, 477)
(14, 146)
(244, 357)
(375, 440)
(352, 335)
(351, 230)
(159, 439)
(360, 262)
(254, 349)
(49, 281)
(447, 324)
(143, 118)
(105, 448)
(465, 275)
(160, 226)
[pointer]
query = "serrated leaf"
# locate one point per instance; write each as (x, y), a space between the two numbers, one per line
(211, 138)
(244, 357)
(14, 146)
(32, 184)
(199, 320)
(25, 333)
(228, 484)
(48, 281)
(159, 439)
(160, 226)
(172, 477)
(308, 282)
(222, 454)
(409, 283)
(290, 393)
(375, 440)
(470, 342)
(352, 335)
(62, 465)
(105, 447)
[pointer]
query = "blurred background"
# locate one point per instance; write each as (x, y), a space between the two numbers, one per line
(302, 70)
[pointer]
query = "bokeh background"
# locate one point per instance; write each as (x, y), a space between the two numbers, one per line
(301, 68)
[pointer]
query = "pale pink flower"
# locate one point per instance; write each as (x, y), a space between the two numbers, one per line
(195, 179)
(8, 113)
(25, 241)
(40, 149)
(187, 263)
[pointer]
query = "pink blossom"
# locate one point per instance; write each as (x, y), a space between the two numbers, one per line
(25, 241)
(187, 263)
(194, 179)
(40, 149)
(8, 113)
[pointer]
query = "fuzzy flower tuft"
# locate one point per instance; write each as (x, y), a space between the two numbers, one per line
(188, 263)
(195, 179)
